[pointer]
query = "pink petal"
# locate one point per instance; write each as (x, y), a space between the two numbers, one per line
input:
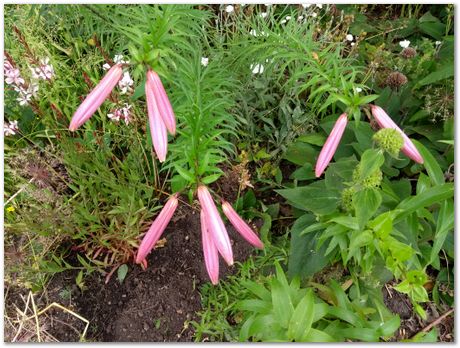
(157, 228)
(385, 121)
(211, 257)
(157, 127)
(215, 225)
(97, 96)
(241, 226)
(166, 110)
(331, 144)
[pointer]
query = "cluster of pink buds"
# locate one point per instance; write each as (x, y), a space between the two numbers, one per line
(382, 119)
(160, 112)
(214, 235)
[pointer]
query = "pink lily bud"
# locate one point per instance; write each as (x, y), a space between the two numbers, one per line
(330, 146)
(166, 111)
(241, 226)
(96, 97)
(157, 126)
(215, 225)
(385, 121)
(157, 228)
(211, 257)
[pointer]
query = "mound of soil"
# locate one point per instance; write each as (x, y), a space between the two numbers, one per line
(155, 305)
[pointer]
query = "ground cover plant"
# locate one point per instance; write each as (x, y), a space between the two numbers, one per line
(229, 172)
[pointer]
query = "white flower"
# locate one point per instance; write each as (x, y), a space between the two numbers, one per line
(13, 77)
(288, 18)
(283, 21)
(257, 68)
(263, 33)
(106, 66)
(437, 43)
(358, 89)
(263, 14)
(33, 89)
(319, 5)
(229, 9)
(7, 66)
(306, 5)
(314, 15)
(300, 18)
(204, 61)
(125, 83)
(24, 99)
(352, 44)
(115, 116)
(11, 128)
(404, 44)
(253, 32)
(126, 113)
(118, 59)
(349, 37)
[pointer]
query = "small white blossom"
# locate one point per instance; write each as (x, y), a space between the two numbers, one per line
(349, 37)
(352, 44)
(257, 68)
(283, 21)
(115, 115)
(229, 9)
(306, 5)
(300, 18)
(10, 128)
(319, 5)
(126, 113)
(106, 66)
(263, 14)
(288, 18)
(125, 84)
(253, 32)
(204, 61)
(314, 15)
(437, 43)
(404, 44)
(358, 89)
(118, 59)
(13, 77)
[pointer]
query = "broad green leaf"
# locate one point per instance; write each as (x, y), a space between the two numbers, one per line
(314, 197)
(257, 289)
(432, 167)
(185, 174)
(444, 72)
(282, 304)
(210, 178)
(371, 160)
(313, 138)
(389, 327)
(300, 153)
(347, 221)
(429, 197)
(315, 335)
(366, 202)
(302, 318)
(304, 258)
(362, 334)
(256, 306)
(122, 272)
(444, 224)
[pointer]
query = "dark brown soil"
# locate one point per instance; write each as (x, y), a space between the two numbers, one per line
(155, 305)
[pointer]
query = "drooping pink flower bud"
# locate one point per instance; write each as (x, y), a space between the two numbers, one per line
(241, 226)
(157, 228)
(330, 146)
(385, 121)
(96, 97)
(215, 225)
(157, 126)
(164, 106)
(211, 257)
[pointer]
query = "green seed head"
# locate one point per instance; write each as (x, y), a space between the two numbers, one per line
(389, 140)
(347, 199)
(374, 180)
